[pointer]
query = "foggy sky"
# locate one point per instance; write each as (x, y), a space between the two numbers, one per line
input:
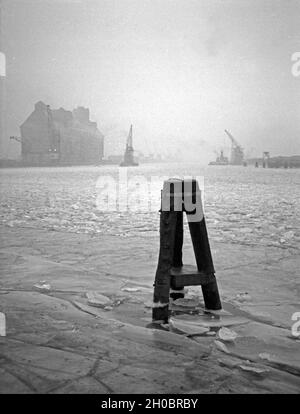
(180, 71)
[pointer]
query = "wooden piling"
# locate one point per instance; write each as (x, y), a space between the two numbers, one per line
(168, 220)
(170, 254)
(205, 263)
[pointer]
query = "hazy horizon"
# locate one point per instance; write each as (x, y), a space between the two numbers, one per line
(180, 71)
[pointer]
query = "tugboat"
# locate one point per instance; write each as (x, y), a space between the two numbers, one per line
(221, 160)
(128, 156)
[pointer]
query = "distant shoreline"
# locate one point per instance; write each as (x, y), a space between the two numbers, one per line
(6, 163)
(22, 164)
(290, 162)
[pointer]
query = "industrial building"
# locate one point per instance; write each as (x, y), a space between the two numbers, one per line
(60, 137)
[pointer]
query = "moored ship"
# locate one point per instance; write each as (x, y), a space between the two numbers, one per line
(220, 160)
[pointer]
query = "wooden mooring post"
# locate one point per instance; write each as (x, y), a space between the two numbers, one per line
(177, 197)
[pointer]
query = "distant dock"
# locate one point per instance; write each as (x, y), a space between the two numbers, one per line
(277, 162)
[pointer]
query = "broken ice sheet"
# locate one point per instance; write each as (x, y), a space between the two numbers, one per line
(255, 370)
(210, 321)
(187, 327)
(265, 356)
(228, 362)
(227, 335)
(288, 235)
(220, 312)
(131, 289)
(186, 302)
(222, 347)
(42, 286)
(161, 337)
(98, 300)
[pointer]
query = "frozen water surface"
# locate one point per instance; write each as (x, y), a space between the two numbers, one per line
(242, 205)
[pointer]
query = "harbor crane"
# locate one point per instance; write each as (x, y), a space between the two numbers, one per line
(237, 152)
(128, 156)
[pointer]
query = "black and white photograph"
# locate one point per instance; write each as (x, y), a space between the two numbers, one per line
(149, 200)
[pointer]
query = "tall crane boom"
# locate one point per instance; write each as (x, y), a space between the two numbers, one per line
(129, 138)
(237, 153)
(233, 140)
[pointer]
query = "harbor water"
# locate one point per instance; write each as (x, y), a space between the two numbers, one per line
(247, 206)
